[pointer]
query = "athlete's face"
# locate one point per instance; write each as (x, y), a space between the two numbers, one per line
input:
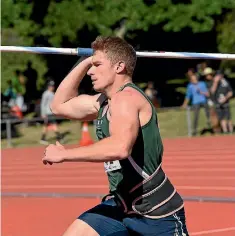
(102, 72)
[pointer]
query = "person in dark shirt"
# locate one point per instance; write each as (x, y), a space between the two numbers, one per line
(223, 92)
(31, 84)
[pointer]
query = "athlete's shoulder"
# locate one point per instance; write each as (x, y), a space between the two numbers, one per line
(126, 100)
(127, 95)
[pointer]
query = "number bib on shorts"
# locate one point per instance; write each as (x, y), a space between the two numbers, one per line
(112, 165)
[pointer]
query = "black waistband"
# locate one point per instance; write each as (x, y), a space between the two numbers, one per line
(155, 197)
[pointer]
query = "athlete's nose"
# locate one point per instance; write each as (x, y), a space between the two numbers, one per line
(90, 72)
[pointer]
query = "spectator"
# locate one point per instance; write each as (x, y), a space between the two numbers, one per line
(209, 76)
(197, 92)
(190, 72)
(10, 94)
(31, 85)
(222, 92)
(208, 73)
(49, 120)
(18, 86)
(151, 92)
(201, 68)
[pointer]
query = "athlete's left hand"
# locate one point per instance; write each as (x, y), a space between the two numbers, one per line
(54, 153)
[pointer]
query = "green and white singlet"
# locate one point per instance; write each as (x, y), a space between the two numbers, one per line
(139, 182)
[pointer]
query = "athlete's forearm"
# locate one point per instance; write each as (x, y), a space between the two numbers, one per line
(107, 149)
(69, 86)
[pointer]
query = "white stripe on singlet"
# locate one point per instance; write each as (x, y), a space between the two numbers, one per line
(137, 168)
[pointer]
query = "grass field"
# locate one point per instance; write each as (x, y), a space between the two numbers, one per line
(173, 123)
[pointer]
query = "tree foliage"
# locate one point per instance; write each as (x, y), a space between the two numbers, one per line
(67, 17)
(18, 30)
(226, 33)
(65, 21)
(226, 40)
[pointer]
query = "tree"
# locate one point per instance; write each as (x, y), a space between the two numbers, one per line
(123, 17)
(226, 40)
(18, 30)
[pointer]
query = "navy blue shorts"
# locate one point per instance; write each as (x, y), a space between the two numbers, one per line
(109, 219)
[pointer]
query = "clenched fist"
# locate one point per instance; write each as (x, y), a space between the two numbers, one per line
(54, 153)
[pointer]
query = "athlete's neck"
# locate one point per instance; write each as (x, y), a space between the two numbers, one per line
(117, 85)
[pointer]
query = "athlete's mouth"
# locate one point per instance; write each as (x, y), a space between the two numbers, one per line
(93, 80)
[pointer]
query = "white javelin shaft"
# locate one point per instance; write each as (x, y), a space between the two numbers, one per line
(40, 50)
(88, 52)
(187, 55)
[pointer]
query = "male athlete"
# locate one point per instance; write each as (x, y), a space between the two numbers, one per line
(142, 201)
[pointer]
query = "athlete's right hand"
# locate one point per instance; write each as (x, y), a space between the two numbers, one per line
(54, 153)
(88, 60)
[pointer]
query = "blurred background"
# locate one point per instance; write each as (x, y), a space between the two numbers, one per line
(148, 25)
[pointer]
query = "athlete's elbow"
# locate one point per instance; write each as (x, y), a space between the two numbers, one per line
(55, 109)
(122, 152)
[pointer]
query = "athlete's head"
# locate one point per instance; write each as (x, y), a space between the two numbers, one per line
(113, 58)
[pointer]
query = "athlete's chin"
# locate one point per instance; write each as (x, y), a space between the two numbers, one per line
(98, 88)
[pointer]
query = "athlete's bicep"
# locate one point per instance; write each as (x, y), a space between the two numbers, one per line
(83, 107)
(124, 122)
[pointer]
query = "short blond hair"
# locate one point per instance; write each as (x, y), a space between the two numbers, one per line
(116, 50)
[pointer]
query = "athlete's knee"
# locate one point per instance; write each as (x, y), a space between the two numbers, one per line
(80, 228)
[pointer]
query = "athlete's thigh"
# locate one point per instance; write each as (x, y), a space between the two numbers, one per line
(105, 219)
(168, 226)
(80, 228)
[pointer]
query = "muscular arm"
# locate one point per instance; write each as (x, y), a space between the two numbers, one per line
(124, 126)
(66, 101)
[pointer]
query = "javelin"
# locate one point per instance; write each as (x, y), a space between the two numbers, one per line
(89, 52)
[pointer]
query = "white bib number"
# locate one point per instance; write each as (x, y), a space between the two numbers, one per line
(111, 166)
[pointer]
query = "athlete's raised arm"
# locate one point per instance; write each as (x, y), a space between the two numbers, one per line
(66, 101)
(124, 126)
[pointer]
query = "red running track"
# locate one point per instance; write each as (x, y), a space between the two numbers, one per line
(202, 167)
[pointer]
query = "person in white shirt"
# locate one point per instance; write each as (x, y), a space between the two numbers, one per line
(47, 115)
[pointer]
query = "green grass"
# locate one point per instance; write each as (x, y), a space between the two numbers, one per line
(30, 136)
(172, 123)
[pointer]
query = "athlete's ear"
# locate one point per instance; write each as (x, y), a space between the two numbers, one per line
(121, 67)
